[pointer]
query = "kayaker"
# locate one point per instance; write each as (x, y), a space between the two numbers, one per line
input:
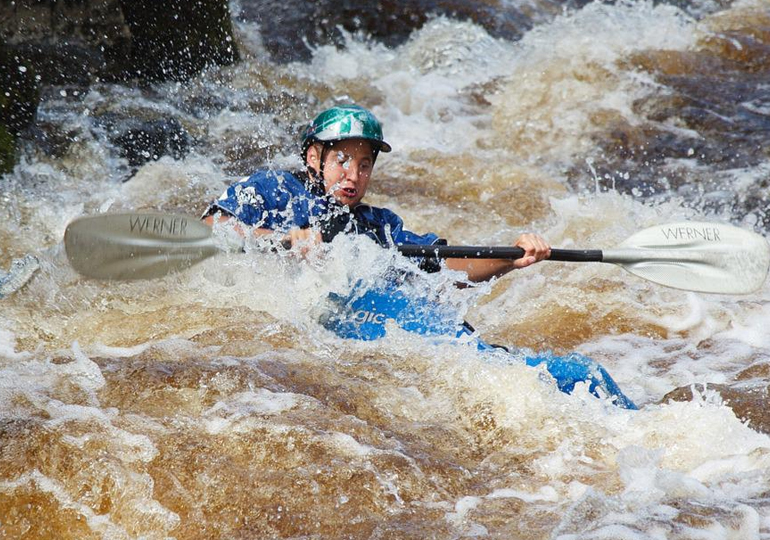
(339, 149)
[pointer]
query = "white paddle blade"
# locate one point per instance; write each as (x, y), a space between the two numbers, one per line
(136, 246)
(696, 256)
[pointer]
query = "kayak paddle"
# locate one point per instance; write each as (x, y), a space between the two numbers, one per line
(695, 256)
(136, 246)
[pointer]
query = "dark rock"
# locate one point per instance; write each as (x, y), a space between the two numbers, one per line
(78, 41)
(63, 62)
(288, 27)
(7, 151)
(66, 42)
(92, 21)
(18, 103)
(142, 141)
(174, 40)
(51, 139)
(20, 95)
(714, 114)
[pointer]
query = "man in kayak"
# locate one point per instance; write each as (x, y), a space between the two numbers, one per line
(339, 149)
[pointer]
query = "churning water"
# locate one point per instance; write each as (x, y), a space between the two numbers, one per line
(210, 404)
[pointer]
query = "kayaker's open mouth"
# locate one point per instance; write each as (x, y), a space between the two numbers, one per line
(349, 192)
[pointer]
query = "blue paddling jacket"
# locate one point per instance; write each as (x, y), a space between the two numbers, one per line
(281, 200)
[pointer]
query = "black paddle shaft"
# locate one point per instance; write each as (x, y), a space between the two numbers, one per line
(491, 252)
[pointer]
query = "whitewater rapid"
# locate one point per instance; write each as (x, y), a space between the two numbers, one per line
(211, 404)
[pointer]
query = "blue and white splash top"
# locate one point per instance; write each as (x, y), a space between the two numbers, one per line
(279, 200)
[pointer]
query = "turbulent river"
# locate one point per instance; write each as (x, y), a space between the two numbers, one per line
(210, 404)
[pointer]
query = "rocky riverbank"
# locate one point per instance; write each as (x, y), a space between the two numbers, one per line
(79, 43)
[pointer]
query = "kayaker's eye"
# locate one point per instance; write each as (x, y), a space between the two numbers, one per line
(344, 160)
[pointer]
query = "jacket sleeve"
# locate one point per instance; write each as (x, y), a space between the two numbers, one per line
(244, 201)
(267, 199)
(403, 236)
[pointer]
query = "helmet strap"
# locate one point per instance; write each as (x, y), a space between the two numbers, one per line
(324, 153)
(316, 183)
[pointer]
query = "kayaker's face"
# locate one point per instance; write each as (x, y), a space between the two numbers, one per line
(347, 169)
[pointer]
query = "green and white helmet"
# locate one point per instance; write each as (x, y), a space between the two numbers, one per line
(345, 122)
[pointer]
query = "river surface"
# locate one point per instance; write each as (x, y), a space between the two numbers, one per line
(210, 404)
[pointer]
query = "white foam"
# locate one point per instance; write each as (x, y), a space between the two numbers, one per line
(349, 446)
(545, 494)
(242, 409)
(8, 345)
(749, 326)
(462, 507)
(421, 81)
(547, 111)
(192, 173)
(119, 352)
(37, 378)
(692, 434)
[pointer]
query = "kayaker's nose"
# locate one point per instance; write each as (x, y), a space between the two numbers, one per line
(351, 173)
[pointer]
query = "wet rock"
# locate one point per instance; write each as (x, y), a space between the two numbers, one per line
(140, 141)
(747, 400)
(63, 62)
(175, 40)
(714, 114)
(7, 151)
(47, 42)
(81, 41)
(52, 139)
(18, 103)
(89, 20)
(66, 42)
(699, 8)
(290, 26)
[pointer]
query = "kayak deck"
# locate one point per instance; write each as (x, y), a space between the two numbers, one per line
(363, 315)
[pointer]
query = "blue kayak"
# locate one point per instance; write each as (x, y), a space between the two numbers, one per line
(363, 315)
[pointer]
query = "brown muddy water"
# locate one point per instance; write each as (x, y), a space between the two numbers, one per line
(210, 404)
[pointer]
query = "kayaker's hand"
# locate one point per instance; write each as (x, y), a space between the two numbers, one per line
(304, 240)
(535, 249)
